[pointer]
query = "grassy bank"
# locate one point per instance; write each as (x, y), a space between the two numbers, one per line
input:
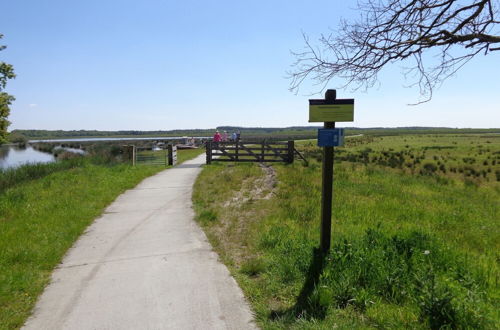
(408, 251)
(42, 216)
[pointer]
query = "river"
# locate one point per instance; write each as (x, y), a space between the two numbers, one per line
(121, 139)
(13, 156)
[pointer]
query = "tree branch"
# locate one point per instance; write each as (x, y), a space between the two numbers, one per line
(391, 31)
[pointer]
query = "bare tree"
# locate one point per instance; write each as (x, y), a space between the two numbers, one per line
(434, 38)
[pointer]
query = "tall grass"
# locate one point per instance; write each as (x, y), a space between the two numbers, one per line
(408, 251)
(14, 176)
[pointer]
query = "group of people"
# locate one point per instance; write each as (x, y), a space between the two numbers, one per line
(224, 137)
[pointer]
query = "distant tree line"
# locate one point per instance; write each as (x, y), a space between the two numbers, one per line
(295, 132)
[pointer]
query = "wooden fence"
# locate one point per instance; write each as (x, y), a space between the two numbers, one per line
(249, 151)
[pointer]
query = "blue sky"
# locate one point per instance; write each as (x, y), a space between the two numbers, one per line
(149, 65)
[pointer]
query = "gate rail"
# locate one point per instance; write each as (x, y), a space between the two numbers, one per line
(250, 151)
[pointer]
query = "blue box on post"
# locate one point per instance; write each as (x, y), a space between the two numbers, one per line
(330, 137)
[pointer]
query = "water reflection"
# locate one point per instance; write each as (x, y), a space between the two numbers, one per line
(13, 156)
(73, 150)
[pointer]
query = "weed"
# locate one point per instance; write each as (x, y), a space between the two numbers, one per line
(253, 267)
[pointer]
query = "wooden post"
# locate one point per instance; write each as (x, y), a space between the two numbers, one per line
(291, 149)
(208, 150)
(327, 195)
(134, 155)
(262, 151)
(327, 186)
(237, 149)
(169, 154)
(127, 153)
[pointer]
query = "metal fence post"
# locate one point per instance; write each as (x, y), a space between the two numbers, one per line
(172, 155)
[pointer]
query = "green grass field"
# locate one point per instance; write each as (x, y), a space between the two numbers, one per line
(410, 249)
(470, 159)
(42, 216)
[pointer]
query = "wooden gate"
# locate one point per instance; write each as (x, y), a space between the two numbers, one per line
(250, 151)
(152, 156)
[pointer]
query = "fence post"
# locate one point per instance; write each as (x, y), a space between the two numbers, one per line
(169, 154)
(291, 149)
(262, 151)
(208, 147)
(172, 155)
(237, 149)
(127, 153)
(134, 155)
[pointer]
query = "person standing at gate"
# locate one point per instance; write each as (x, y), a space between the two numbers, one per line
(224, 136)
(233, 136)
(217, 137)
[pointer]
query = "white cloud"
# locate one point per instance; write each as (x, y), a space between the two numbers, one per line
(32, 105)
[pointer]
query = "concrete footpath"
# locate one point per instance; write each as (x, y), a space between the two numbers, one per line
(144, 264)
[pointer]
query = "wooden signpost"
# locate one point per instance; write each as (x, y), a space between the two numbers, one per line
(329, 111)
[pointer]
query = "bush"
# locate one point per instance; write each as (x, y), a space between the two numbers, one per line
(428, 169)
(18, 138)
(408, 268)
(68, 155)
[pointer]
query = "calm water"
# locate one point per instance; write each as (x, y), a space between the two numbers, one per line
(119, 139)
(11, 156)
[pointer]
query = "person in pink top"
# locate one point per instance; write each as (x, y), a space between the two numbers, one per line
(217, 137)
(224, 136)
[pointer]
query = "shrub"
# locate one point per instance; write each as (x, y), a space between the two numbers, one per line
(428, 169)
(68, 155)
(18, 138)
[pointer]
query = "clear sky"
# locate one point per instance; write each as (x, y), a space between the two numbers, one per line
(159, 65)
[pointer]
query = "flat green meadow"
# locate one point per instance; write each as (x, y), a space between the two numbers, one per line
(412, 247)
(43, 211)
